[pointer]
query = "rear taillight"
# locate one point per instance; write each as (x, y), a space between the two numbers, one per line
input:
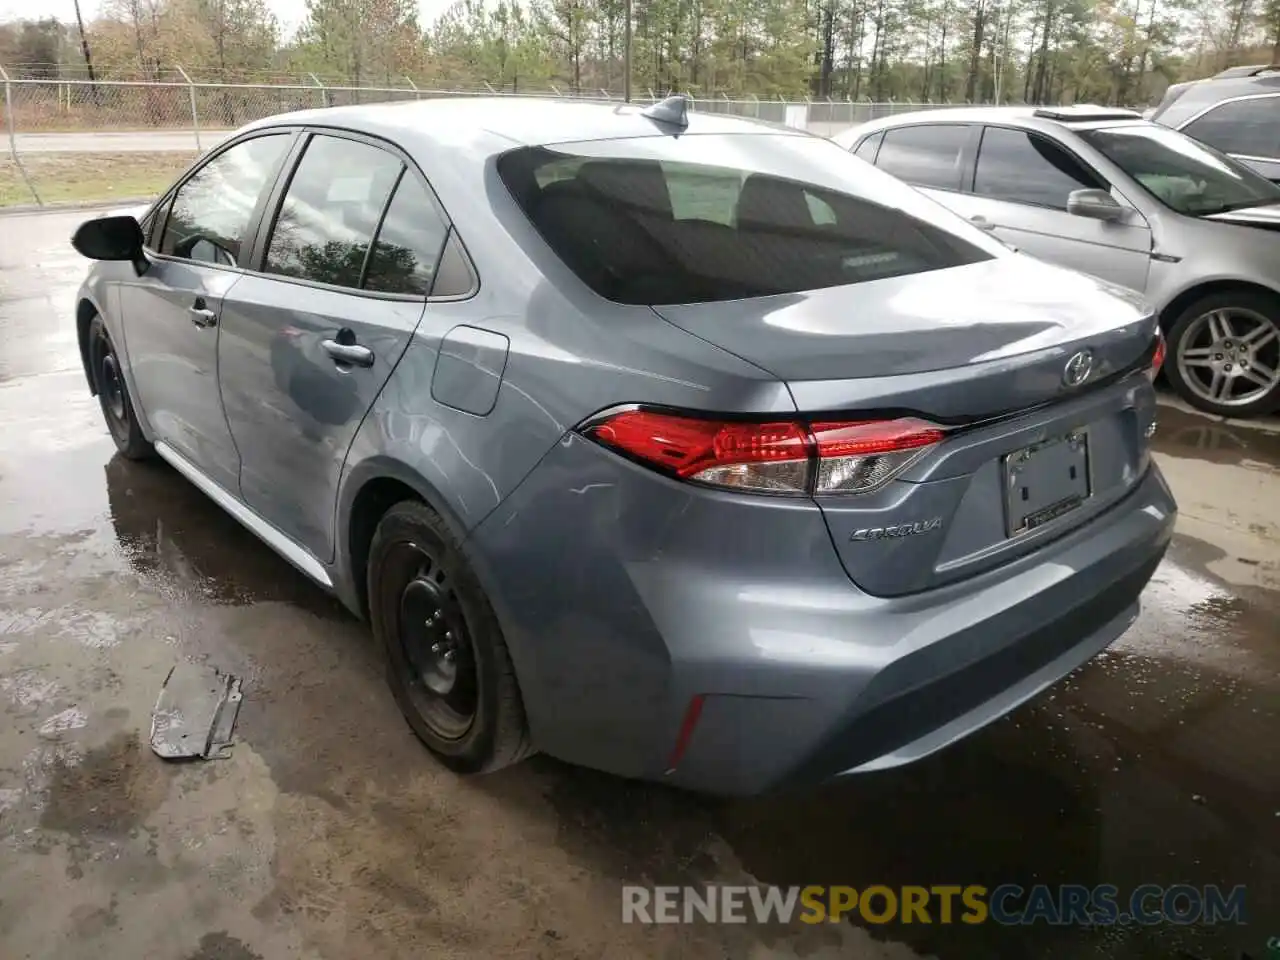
(862, 455)
(1157, 359)
(784, 457)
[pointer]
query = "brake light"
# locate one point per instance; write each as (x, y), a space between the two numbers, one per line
(1157, 359)
(784, 457)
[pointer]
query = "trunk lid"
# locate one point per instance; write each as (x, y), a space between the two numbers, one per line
(984, 350)
(980, 323)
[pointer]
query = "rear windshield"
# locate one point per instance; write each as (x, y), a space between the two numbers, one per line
(665, 220)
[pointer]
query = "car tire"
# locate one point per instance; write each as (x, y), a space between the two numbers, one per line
(1194, 342)
(113, 394)
(447, 661)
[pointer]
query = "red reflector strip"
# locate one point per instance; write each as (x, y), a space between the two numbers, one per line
(692, 714)
(862, 438)
(1157, 359)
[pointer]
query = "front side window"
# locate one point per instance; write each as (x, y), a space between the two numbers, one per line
(152, 223)
(1024, 168)
(927, 155)
(331, 211)
(1189, 177)
(211, 212)
(708, 218)
(1249, 128)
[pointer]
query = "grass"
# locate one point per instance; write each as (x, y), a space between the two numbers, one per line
(88, 177)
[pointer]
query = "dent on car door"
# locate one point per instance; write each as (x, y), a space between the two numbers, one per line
(310, 337)
(1022, 181)
(170, 313)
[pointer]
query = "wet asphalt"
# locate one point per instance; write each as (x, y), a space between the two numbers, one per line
(331, 834)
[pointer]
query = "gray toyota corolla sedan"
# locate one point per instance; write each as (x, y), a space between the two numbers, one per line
(673, 445)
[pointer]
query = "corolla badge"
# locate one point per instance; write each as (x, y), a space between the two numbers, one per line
(900, 530)
(1078, 368)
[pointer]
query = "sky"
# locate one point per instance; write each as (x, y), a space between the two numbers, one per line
(290, 13)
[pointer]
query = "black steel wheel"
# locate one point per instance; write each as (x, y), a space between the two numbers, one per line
(434, 641)
(113, 394)
(447, 662)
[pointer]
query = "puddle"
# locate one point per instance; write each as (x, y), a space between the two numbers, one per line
(1200, 437)
(111, 790)
(172, 533)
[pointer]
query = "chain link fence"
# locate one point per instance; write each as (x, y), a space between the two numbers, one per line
(67, 135)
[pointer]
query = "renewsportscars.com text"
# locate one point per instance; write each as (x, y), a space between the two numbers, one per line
(1007, 904)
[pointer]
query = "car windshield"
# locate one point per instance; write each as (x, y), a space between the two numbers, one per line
(1180, 172)
(699, 218)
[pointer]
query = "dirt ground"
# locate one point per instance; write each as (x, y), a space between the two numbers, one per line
(329, 834)
(87, 177)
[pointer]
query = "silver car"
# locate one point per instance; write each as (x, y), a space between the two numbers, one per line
(1108, 193)
(674, 445)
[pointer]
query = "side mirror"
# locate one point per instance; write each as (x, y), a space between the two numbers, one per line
(1094, 204)
(111, 238)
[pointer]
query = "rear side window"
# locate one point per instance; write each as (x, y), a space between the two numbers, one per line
(1249, 128)
(647, 231)
(1021, 167)
(211, 211)
(928, 155)
(868, 147)
(404, 256)
(331, 211)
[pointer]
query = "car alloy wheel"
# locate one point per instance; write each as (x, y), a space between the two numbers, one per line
(1230, 356)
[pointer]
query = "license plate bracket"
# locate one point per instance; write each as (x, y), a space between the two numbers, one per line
(1045, 481)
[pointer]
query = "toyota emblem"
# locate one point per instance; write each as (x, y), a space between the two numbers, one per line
(1078, 369)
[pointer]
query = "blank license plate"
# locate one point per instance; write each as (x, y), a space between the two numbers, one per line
(1045, 481)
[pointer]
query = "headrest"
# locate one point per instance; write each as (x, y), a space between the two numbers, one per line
(768, 200)
(635, 183)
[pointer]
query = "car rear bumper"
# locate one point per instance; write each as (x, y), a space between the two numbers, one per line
(623, 605)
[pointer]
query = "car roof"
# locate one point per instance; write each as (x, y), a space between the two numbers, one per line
(1182, 101)
(1232, 73)
(1032, 118)
(496, 124)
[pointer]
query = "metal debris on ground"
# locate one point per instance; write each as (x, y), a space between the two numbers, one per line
(195, 713)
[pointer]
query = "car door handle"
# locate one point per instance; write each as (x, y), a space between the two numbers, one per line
(982, 223)
(201, 315)
(351, 353)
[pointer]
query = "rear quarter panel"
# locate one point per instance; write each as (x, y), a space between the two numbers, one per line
(560, 369)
